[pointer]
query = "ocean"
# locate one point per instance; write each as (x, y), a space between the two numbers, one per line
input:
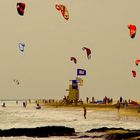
(16, 116)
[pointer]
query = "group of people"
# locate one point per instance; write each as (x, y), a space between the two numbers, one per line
(24, 104)
(125, 103)
(105, 100)
(38, 106)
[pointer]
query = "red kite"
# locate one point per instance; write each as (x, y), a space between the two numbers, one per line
(137, 62)
(134, 73)
(133, 30)
(20, 8)
(88, 51)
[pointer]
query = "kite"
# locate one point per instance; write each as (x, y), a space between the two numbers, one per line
(134, 73)
(21, 47)
(16, 81)
(88, 51)
(63, 10)
(73, 59)
(137, 62)
(20, 8)
(133, 30)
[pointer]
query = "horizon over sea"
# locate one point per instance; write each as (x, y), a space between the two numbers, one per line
(16, 116)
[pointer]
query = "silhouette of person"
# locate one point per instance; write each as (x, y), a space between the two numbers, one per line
(85, 111)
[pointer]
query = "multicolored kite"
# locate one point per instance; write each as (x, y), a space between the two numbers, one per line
(63, 10)
(20, 8)
(21, 47)
(88, 51)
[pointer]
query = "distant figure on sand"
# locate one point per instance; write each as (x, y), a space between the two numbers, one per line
(139, 109)
(38, 106)
(30, 101)
(118, 105)
(24, 104)
(87, 99)
(121, 99)
(16, 101)
(3, 105)
(85, 111)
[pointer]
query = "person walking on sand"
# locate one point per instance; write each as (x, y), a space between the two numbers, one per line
(85, 111)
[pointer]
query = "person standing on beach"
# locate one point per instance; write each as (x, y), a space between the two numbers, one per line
(30, 101)
(121, 99)
(118, 106)
(87, 99)
(3, 105)
(85, 111)
(93, 100)
(139, 109)
(24, 104)
(16, 101)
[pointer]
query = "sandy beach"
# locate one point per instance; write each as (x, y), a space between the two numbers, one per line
(103, 119)
(130, 110)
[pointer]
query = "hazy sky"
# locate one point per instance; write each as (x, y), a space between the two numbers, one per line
(44, 69)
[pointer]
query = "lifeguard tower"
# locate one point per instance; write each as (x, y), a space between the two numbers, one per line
(73, 95)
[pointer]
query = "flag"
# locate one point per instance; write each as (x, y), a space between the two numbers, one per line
(74, 84)
(80, 81)
(81, 72)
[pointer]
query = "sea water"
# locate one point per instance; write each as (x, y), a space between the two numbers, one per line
(16, 116)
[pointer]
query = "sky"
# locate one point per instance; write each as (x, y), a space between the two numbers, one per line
(44, 69)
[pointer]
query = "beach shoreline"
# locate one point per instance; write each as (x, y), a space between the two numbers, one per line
(131, 110)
